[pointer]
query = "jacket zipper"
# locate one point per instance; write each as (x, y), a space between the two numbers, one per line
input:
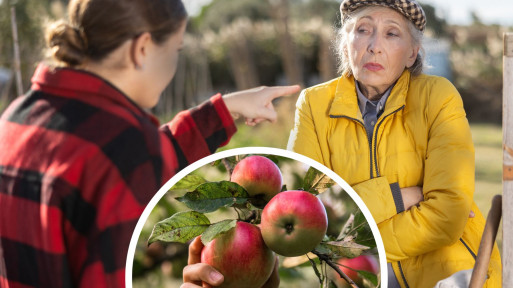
(468, 248)
(366, 135)
(375, 133)
(378, 175)
(402, 275)
(376, 140)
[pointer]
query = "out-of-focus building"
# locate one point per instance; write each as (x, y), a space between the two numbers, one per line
(438, 57)
(5, 82)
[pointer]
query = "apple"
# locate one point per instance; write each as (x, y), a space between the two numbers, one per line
(241, 256)
(293, 223)
(259, 176)
(362, 262)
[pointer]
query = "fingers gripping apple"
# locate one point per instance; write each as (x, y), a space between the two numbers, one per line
(241, 256)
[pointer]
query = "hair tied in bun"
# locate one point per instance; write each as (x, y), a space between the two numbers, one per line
(81, 34)
(68, 45)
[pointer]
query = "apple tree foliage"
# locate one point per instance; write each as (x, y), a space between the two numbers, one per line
(203, 196)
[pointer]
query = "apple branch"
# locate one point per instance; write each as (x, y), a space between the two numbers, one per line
(328, 261)
(238, 214)
(228, 166)
(252, 217)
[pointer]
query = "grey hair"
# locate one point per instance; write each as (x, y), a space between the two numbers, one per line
(341, 43)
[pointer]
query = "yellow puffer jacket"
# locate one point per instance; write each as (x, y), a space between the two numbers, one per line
(421, 139)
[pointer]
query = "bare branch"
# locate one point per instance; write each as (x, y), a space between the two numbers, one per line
(228, 167)
(328, 261)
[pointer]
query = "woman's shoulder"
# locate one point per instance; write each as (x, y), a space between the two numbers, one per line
(433, 93)
(323, 88)
(433, 82)
(433, 89)
(320, 94)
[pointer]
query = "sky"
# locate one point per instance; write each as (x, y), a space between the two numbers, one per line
(454, 11)
(489, 11)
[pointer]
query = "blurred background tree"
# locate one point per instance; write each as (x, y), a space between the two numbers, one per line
(31, 16)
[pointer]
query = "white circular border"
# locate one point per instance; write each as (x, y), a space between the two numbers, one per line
(255, 150)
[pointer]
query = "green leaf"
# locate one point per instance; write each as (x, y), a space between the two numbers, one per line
(188, 183)
(316, 182)
(180, 227)
(362, 231)
(359, 219)
(323, 249)
(211, 196)
(338, 249)
(373, 278)
(217, 229)
(346, 228)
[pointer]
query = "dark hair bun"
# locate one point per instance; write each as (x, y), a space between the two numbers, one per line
(67, 45)
(95, 28)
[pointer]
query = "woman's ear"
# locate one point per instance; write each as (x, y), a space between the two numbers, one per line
(139, 51)
(412, 57)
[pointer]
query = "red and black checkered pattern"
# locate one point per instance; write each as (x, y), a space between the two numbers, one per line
(78, 163)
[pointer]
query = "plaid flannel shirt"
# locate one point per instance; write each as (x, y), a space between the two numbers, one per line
(79, 161)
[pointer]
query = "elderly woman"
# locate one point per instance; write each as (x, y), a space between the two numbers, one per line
(402, 140)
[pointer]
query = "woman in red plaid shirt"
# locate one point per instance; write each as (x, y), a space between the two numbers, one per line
(81, 158)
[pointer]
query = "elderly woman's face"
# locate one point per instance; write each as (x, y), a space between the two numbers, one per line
(379, 48)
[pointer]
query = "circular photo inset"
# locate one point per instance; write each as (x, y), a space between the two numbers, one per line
(256, 217)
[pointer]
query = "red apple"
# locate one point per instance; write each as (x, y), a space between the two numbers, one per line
(293, 223)
(260, 177)
(362, 262)
(241, 256)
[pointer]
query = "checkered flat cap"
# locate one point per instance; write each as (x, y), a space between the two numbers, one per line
(409, 8)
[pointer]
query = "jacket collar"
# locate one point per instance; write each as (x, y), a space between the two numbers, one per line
(345, 103)
(74, 83)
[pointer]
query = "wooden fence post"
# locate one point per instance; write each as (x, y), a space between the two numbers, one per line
(507, 176)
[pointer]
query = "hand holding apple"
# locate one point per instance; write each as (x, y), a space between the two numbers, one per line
(242, 257)
(294, 223)
(196, 273)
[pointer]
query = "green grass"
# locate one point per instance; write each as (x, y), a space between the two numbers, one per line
(264, 135)
(488, 144)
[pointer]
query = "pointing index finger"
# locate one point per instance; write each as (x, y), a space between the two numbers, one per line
(278, 91)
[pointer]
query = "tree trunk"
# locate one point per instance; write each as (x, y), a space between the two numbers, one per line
(327, 60)
(241, 57)
(290, 57)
